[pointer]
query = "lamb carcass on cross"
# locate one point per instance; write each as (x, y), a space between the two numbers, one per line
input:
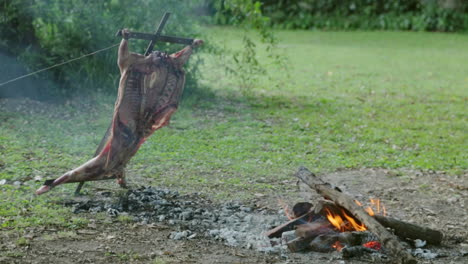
(149, 92)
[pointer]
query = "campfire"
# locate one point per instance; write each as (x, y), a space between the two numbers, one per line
(339, 223)
(326, 227)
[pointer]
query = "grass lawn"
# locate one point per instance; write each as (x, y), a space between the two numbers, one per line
(351, 100)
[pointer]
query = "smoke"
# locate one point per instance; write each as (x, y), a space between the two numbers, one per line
(32, 86)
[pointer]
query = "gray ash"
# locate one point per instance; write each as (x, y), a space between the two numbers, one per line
(194, 217)
(232, 223)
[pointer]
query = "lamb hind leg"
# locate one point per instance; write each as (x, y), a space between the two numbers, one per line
(91, 170)
(98, 150)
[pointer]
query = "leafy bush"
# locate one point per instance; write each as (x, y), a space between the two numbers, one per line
(428, 15)
(41, 33)
(418, 15)
(247, 14)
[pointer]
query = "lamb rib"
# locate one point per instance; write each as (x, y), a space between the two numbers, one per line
(149, 92)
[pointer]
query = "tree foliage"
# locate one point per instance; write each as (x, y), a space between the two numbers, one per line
(419, 15)
(41, 33)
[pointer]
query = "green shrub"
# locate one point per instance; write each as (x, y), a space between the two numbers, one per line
(418, 15)
(243, 64)
(427, 15)
(40, 33)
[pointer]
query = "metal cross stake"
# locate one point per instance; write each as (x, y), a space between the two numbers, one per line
(157, 36)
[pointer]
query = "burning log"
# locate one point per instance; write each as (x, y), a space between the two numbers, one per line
(339, 241)
(322, 238)
(305, 233)
(389, 241)
(402, 229)
(304, 214)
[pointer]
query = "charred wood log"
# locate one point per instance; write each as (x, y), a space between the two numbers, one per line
(298, 244)
(408, 230)
(322, 240)
(306, 233)
(314, 229)
(389, 241)
(290, 225)
(356, 251)
(300, 209)
(327, 242)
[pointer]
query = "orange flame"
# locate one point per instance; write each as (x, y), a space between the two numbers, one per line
(335, 220)
(344, 222)
(340, 224)
(379, 208)
(373, 245)
(354, 224)
(369, 211)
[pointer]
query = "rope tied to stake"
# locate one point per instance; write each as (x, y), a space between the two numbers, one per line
(57, 65)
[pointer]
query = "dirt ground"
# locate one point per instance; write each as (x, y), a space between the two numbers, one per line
(431, 199)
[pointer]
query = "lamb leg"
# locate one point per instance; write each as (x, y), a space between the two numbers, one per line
(103, 142)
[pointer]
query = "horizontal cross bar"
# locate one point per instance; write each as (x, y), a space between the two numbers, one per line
(160, 38)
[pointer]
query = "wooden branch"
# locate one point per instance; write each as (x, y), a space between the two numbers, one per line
(290, 225)
(409, 230)
(389, 241)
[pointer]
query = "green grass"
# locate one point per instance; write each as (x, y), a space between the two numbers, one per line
(351, 100)
(367, 99)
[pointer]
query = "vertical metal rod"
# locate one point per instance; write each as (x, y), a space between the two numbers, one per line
(162, 23)
(78, 188)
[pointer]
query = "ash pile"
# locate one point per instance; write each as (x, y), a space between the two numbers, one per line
(234, 224)
(193, 216)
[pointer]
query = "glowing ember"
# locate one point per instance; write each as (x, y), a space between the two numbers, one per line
(337, 245)
(373, 245)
